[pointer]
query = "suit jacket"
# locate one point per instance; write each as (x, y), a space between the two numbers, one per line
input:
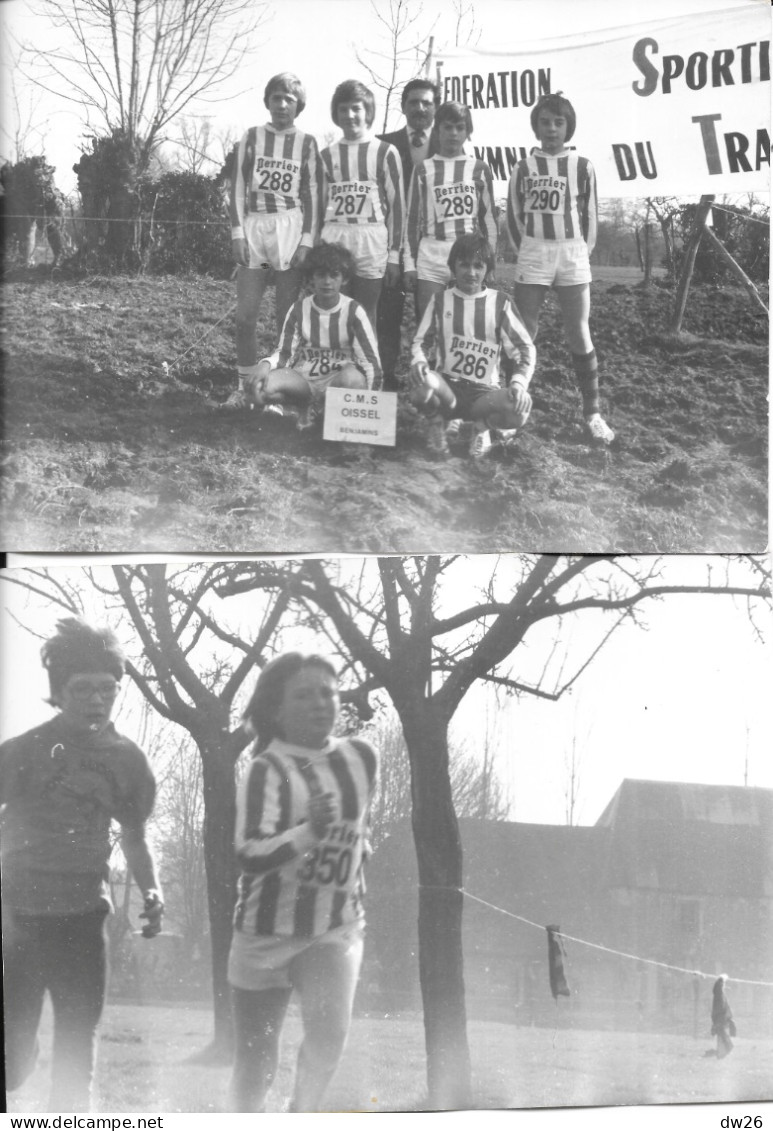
(402, 143)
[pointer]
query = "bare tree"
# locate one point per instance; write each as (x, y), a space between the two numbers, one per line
(405, 54)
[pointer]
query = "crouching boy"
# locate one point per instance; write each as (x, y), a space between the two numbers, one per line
(473, 332)
(327, 340)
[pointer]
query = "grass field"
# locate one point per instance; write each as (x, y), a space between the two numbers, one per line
(143, 1053)
(114, 439)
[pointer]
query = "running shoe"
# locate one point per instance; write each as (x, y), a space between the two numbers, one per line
(436, 436)
(480, 445)
(597, 429)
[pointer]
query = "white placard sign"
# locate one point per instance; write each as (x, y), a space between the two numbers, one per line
(360, 416)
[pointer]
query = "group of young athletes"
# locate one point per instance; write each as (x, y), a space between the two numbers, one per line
(367, 220)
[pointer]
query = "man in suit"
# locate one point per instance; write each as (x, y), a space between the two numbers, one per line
(420, 100)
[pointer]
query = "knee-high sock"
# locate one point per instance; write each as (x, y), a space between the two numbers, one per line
(586, 367)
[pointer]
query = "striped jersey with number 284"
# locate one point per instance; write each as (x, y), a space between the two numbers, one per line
(553, 197)
(329, 337)
(471, 334)
(291, 883)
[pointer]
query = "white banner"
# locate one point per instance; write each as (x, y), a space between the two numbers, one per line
(678, 106)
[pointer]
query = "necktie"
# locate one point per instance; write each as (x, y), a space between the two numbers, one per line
(417, 139)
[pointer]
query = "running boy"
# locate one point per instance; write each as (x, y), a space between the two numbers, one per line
(551, 220)
(470, 328)
(275, 214)
(326, 340)
(363, 196)
(450, 194)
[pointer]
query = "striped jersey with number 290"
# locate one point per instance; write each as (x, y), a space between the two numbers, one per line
(291, 883)
(326, 339)
(553, 197)
(469, 334)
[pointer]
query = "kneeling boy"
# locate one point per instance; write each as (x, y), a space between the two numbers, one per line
(472, 330)
(327, 339)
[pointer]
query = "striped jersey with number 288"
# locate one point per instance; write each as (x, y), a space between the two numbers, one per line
(362, 183)
(326, 339)
(291, 883)
(276, 171)
(449, 197)
(468, 334)
(553, 197)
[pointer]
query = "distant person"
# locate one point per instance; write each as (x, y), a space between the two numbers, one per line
(472, 331)
(363, 196)
(722, 1023)
(61, 785)
(275, 215)
(551, 220)
(450, 195)
(326, 340)
(301, 826)
(414, 142)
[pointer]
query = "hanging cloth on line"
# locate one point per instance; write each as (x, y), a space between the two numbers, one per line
(556, 955)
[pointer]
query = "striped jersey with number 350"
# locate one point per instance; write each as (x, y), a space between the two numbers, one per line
(291, 883)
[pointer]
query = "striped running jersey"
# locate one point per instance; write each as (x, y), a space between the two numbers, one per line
(553, 197)
(449, 197)
(327, 339)
(275, 171)
(470, 333)
(291, 883)
(362, 183)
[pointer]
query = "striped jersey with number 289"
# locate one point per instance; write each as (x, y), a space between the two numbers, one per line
(449, 197)
(362, 183)
(553, 197)
(276, 171)
(291, 883)
(329, 338)
(468, 334)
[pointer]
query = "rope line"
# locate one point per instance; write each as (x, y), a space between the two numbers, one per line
(595, 946)
(740, 215)
(170, 365)
(114, 220)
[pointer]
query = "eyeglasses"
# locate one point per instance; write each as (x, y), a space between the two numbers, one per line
(85, 691)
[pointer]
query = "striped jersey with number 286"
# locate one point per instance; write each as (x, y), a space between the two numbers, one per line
(291, 883)
(449, 197)
(362, 183)
(326, 339)
(468, 334)
(553, 197)
(276, 171)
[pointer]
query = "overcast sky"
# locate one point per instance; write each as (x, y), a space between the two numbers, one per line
(318, 39)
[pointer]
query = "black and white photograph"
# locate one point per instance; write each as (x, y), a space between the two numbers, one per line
(498, 828)
(586, 370)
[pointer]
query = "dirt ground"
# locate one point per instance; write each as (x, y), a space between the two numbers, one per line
(115, 439)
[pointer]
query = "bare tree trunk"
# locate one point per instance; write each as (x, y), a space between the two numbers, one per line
(439, 855)
(691, 251)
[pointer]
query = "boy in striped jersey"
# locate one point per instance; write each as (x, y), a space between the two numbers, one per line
(275, 214)
(363, 196)
(450, 195)
(472, 331)
(301, 842)
(551, 220)
(326, 340)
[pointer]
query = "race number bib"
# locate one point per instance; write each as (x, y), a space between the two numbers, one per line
(545, 195)
(472, 365)
(318, 363)
(335, 860)
(274, 174)
(457, 201)
(349, 200)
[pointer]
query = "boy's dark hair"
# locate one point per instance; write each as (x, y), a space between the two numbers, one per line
(288, 82)
(328, 257)
(454, 112)
(353, 91)
(420, 84)
(470, 247)
(260, 713)
(76, 647)
(557, 104)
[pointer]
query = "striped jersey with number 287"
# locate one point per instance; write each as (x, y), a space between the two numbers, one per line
(553, 197)
(291, 883)
(469, 334)
(328, 338)
(276, 171)
(362, 183)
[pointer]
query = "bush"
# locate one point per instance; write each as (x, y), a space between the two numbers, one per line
(184, 226)
(745, 237)
(31, 203)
